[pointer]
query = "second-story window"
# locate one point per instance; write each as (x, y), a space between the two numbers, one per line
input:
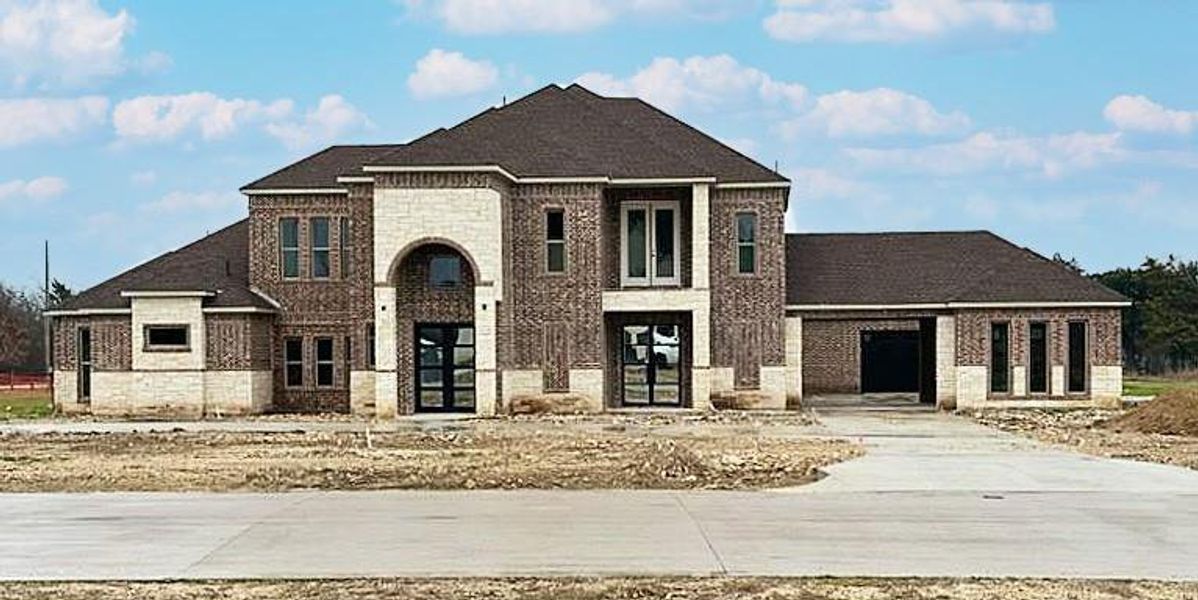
(289, 248)
(344, 247)
(555, 241)
(746, 243)
(320, 247)
(649, 243)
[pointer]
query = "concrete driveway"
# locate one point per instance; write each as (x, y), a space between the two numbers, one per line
(936, 496)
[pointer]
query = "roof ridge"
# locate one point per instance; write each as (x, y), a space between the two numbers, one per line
(892, 232)
(634, 132)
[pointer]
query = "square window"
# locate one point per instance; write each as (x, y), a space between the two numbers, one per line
(445, 271)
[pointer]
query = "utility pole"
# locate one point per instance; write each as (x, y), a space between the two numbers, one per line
(47, 351)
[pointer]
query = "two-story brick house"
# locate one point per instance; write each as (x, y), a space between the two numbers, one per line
(574, 247)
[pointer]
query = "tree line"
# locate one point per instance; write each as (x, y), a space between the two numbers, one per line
(22, 339)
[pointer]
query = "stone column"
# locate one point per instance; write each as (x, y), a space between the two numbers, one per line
(484, 350)
(946, 362)
(701, 282)
(794, 361)
(386, 386)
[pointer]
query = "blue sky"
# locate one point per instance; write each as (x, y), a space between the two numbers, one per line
(127, 127)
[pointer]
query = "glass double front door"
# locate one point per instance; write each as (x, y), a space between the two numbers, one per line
(444, 368)
(651, 371)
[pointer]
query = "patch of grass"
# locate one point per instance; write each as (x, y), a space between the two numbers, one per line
(1155, 386)
(25, 404)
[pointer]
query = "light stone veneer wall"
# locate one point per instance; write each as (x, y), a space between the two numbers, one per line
(1019, 381)
(972, 383)
(361, 393)
(66, 392)
(772, 387)
(1058, 380)
(1106, 385)
(588, 383)
(723, 379)
(469, 218)
(169, 311)
(794, 360)
(237, 392)
(946, 362)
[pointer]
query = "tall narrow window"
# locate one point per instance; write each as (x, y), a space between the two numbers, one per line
(320, 247)
(1000, 358)
(349, 358)
(1077, 357)
(555, 241)
(293, 361)
(324, 362)
(343, 245)
(1037, 376)
(289, 248)
(84, 349)
(663, 243)
(370, 345)
(636, 242)
(746, 243)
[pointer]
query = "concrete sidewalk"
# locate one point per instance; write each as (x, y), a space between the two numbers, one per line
(936, 495)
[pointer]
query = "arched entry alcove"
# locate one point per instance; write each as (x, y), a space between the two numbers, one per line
(435, 333)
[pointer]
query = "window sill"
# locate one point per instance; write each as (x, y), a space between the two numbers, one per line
(166, 349)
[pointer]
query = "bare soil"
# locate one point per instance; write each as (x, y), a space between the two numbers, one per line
(1173, 413)
(722, 588)
(1094, 431)
(559, 452)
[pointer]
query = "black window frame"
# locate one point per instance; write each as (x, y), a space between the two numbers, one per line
(370, 352)
(1076, 365)
(347, 351)
(558, 242)
(149, 330)
(1032, 371)
(286, 250)
(325, 367)
(86, 358)
(746, 245)
(290, 362)
(1000, 372)
(319, 255)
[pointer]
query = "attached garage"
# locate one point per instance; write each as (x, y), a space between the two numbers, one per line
(890, 361)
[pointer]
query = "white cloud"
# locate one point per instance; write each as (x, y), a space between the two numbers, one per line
(441, 74)
(163, 118)
(332, 118)
(35, 119)
(1138, 113)
(705, 81)
(881, 111)
(65, 42)
(143, 178)
(1051, 156)
(41, 188)
(904, 20)
(188, 202)
(490, 17)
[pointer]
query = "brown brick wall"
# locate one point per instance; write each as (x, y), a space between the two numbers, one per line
(111, 342)
(973, 334)
(832, 352)
(540, 307)
(748, 307)
(339, 306)
(238, 342)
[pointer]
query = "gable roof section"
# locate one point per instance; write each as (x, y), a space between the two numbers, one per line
(551, 133)
(218, 263)
(573, 132)
(321, 170)
(888, 269)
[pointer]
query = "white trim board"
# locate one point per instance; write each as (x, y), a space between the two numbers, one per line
(83, 312)
(238, 310)
(294, 191)
(167, 294)
(955, 305)
(647, 181)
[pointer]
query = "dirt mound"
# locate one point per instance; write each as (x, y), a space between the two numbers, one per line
(1173, 413)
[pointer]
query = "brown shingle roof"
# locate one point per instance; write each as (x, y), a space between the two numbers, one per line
(574, 132)
(218, 263)
(322, 169)
(553, 132)
(927, 268)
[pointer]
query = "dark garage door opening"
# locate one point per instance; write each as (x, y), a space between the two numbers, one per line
(890, 361)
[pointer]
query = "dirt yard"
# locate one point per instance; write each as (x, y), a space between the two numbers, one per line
(600, 589)
(1146, 433)
(549, 452)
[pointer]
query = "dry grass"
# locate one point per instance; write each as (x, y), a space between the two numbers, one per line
(722, 588)
(1146, 433)
(493, 456)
